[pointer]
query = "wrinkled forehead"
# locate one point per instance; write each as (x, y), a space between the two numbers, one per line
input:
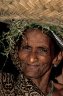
(37, 34)
(37, 38)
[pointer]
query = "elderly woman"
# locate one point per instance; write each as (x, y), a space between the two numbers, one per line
(37, 49)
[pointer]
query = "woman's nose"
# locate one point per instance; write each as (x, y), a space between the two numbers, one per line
(32, 57)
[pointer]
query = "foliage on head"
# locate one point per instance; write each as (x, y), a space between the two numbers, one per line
(17, 28)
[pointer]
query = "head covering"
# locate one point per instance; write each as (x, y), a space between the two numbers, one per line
(17, 27)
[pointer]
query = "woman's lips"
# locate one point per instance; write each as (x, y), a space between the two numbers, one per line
(32, 66)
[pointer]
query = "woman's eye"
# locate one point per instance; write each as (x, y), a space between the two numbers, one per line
(26, 48)
(42, 51)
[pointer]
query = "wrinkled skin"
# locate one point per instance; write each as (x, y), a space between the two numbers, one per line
(36, 54)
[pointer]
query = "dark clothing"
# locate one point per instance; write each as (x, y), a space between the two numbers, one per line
(21, 87)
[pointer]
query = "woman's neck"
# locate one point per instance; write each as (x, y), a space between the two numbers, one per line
(43, 82)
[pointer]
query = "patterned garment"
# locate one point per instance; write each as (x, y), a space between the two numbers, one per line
(27, 87)
(21, 87)
(6, 84)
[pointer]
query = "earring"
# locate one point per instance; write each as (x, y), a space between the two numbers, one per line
(55, 65)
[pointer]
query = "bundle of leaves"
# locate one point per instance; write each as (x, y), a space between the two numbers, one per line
(8, 39)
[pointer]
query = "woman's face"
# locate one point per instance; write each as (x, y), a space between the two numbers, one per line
(35, 54)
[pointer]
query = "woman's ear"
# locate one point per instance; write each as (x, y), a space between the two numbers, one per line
(57, 59)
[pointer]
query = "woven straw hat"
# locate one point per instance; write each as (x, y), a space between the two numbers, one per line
(49, 11)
